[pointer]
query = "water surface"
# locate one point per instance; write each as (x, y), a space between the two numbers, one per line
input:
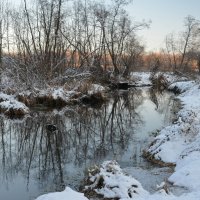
(34, 160)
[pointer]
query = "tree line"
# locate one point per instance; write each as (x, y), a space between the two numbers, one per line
(40, 39)
(47, 36)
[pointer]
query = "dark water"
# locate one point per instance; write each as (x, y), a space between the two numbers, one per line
(34, 160)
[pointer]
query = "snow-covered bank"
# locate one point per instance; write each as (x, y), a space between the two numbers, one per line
(179, 143)
(58, 97)
(18, 104)
(51, 97)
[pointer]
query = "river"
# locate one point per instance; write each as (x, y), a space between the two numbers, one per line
(35, 160)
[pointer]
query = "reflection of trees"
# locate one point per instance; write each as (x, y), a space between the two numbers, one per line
(84, 135)
(153, 96)
(163, 101)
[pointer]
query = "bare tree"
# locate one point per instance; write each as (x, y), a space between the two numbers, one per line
(179, 50)
(172, 51)
(131, 55)
(190, 25)
(4, 26)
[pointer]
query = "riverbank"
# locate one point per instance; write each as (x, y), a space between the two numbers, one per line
(178, 144)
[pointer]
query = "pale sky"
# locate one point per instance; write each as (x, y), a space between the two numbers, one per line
(166, 15)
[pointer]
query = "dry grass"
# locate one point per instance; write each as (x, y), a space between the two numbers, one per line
(13, 113)
(27, 100)
(46, 100)
(84, 86)
(49, 101)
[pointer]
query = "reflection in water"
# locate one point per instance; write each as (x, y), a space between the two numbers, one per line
(36, 159)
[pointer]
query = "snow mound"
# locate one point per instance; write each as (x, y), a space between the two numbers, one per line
(110, 182)
(5, 97)
(13, 108)
(52, 97)
(67, 194)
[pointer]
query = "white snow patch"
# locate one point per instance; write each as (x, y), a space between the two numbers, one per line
(141, 78)
(169, 144)
(58, 93)
(14, 104)
(5, 97)
(8, 102)
(118, 185)
(67, 194)
(95, 88)
(182, 85)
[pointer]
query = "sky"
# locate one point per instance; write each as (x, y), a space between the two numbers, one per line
(167, 16)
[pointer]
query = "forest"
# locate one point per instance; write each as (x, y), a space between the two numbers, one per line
(42, 42)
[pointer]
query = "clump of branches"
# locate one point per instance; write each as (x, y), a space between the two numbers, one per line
(157, 78)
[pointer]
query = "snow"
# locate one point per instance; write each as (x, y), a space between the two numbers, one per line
(180, 142)
(58, 93)
(169, 144)
(160, 195)
(5, 97)
(8, 102)
(182, 85)
(95, 88)
(115, 183)
(141, 78)
(13, 104)
(188, 175)
(67, 194)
